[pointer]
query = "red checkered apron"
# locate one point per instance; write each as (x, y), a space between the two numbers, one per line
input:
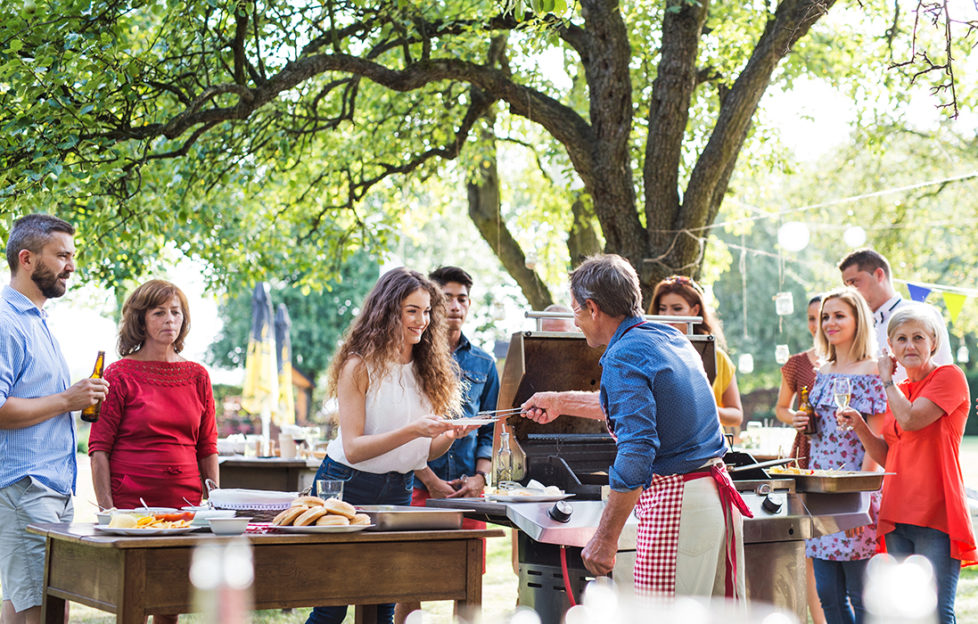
(658, 509)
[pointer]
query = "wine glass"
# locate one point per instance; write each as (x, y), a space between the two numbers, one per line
(842, 392)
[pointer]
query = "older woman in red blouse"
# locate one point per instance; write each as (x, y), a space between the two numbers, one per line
(156, 438)
(924, 510)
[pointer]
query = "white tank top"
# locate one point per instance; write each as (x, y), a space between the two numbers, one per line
(391, 403)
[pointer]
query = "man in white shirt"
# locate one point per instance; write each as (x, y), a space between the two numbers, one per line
(868, 272)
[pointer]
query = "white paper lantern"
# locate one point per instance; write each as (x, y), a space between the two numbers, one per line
(793, 236)
(745, 363)
(781, 354)
(854, 236)
(784, 304)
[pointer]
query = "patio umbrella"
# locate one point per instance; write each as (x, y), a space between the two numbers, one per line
(260, 392)
(285, 414)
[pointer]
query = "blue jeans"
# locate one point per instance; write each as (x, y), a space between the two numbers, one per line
(840, 589)
(363, 488)
(909, 539)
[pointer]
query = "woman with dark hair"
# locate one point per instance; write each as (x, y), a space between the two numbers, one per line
(799, 372)
(678, 295)
(156, 437)
(395, 381)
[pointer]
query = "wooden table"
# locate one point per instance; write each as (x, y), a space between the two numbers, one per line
(271, 473)
(135, 576)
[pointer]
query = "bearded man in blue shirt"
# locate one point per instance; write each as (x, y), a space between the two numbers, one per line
(37, 430)
(658, 404)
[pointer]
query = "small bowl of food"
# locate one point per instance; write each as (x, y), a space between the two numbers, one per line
(228, 526)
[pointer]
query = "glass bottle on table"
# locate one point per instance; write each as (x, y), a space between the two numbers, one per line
(503, 465)
(91, 413)
(804, 405)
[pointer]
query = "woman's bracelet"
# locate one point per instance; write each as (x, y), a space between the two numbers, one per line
(887, 384)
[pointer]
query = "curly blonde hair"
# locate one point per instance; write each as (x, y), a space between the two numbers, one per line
(377, 334)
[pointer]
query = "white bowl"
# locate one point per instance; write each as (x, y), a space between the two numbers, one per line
(201, 517)
(104, 517)
(228, 526)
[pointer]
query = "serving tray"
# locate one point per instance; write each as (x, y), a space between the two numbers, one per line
(853, 481)
(409, 518)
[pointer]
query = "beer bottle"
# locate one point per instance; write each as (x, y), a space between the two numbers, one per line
(804, 405)
(90, 413)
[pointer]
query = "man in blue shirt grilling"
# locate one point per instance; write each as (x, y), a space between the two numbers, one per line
(658, 404)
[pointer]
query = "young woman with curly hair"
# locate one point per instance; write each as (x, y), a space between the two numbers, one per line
(395, 380)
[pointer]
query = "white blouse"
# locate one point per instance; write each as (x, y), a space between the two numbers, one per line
(391, 403)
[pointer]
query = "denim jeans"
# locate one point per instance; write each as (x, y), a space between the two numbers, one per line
(363, 488)
(840, 589)
(909, 539)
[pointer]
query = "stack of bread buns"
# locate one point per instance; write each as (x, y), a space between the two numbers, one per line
(313, 511)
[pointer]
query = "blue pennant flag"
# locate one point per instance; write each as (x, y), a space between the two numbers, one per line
(917, 293)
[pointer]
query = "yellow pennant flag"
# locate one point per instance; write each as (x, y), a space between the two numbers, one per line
(954, 302)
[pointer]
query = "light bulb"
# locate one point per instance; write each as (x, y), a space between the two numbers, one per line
(793, 236)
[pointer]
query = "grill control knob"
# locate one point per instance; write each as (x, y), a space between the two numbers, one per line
(561, 511)
(772, 503)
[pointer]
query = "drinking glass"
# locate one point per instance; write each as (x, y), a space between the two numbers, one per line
(841, 392)
(326, 489)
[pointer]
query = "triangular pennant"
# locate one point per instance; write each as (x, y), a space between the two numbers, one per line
(954, 302)
(917, 293)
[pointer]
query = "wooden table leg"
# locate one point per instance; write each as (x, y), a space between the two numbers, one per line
(52, 607)
(470, 608)
(365, 614)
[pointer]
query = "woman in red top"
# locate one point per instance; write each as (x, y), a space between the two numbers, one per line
(924, 510)
(156, 437)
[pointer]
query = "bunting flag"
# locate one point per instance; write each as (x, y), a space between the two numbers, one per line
(918, 293)
(954, 302)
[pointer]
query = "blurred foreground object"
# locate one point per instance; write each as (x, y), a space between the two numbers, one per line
(900, 592)
(222, 574)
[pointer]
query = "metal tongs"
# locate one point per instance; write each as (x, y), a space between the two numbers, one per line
(500, 414)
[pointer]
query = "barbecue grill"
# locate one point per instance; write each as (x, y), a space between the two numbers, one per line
(575, 453)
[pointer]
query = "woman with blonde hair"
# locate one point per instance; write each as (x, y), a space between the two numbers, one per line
(395, 381)
(679, 295)
(846, 342)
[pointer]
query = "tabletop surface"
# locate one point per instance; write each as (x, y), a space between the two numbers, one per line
(86, 533)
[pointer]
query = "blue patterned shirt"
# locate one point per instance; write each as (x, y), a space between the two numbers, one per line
(480, 389)
(32, 366)
(659, 404)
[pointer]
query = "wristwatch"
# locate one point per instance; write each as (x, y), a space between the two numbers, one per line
(485, 477)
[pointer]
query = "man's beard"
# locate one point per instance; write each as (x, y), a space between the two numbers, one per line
(48, 282)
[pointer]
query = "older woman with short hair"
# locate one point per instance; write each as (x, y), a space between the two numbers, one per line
(924, 509)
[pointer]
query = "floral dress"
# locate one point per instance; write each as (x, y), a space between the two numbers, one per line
(833, 449)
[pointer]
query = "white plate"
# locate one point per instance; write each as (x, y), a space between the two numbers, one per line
(329, 528)
(474, 421)
(143, 532)
(528, 498)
